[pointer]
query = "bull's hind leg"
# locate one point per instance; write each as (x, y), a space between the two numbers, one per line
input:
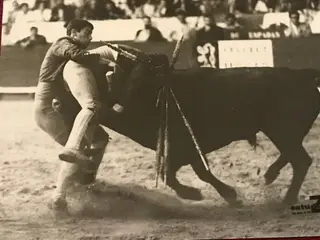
(292, 151)
(274, 170)
(300, 161)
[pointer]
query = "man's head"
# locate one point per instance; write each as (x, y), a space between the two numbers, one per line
(92, 4)
(41, 5)
(181, 15)
(33, 31)
(208, 21)
(15, 5)
(147, 21)
(230, 19)
(81, 31)
(24, 8)
(59, 2)
(110, 6)
(294, 17)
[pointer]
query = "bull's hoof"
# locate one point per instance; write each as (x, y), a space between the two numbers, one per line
(235, 204)
(189, 193)
(229, 194)
(270, 176)
(289, 201)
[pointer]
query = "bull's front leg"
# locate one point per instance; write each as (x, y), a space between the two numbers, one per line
(183, 191)
(227, 192)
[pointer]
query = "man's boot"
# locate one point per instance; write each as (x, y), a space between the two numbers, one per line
(84, 125)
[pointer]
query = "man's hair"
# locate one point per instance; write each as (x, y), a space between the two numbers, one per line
(78, 25)
(294, 13)
(146, 17)
(230, 15)
(34, 28)
(24, 5)
(181, 12)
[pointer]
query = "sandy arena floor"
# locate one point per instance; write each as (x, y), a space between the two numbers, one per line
(131, 207)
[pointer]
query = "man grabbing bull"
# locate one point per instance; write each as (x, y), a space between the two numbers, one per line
(74, 129)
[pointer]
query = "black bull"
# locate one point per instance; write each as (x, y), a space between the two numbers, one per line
(222, 106)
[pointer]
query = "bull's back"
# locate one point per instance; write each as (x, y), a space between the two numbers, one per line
(234, 104)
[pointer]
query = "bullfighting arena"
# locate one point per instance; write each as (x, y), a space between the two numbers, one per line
(130, 207)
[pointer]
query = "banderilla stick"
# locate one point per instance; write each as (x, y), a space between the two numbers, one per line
(163, 143)
(125, 53)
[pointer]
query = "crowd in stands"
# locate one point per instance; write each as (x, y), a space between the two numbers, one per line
(64, 10)
(224, 12)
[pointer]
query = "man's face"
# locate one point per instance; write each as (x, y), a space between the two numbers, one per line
(41, 6)
(92, 3)
(181, 18)
(25, 9)
(84, 37)
(230, 21)
(15, 5)
(208, 21)
(109, 6)
(34, 32)
(294, 19)
(147, 22)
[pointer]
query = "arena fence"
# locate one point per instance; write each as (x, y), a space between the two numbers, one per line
(19, 68)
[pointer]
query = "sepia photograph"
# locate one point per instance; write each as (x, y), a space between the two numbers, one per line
(159, 119)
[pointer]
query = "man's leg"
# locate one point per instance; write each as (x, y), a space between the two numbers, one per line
(51, 122)
(82, 85)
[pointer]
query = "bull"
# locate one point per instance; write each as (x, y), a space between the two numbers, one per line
(222, 106)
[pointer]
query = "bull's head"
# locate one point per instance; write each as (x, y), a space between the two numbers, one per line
(134, 75)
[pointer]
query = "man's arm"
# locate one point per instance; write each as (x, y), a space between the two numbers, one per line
(24, 42)
(71, 51)
(107, 55)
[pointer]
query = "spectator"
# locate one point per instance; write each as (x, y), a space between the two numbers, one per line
(297, 29)
(41, 13)
(162, 9)
(210, 32)
(283, 6)
(81, 13)
(124, 6)
(243, 6)
(62, 12)
(33, 40)
(220, 10)
(136, 7)
(313, 4)
(12, 16)
(261, 6)
(230, 22)
(148, 33)
(23, 15)
(80, 9)
(188, 6)
(206, 8)
(182, 29)
(96, 10)
(112, 11)
(149, 8)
